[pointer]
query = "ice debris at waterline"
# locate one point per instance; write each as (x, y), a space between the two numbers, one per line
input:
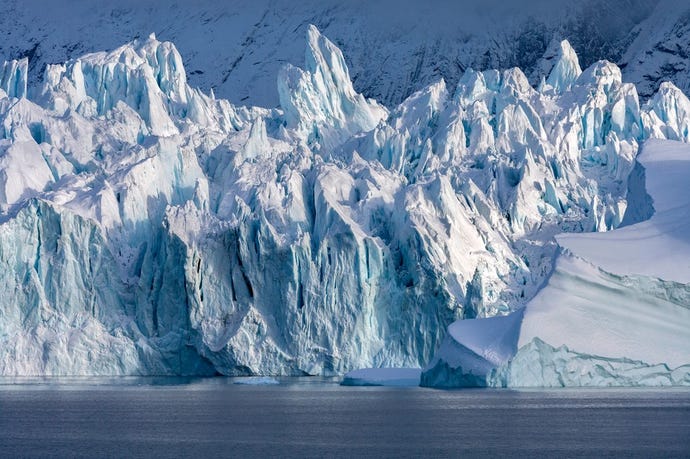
(615, 311)
(256, 381)
(400, 377)
(149, 228)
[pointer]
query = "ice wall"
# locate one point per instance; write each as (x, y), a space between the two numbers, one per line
(154, 229)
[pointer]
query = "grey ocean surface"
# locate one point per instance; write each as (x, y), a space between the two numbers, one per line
(311, 417)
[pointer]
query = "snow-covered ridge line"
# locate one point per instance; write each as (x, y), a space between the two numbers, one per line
(148, 220)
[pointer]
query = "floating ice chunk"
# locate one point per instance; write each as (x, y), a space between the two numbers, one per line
(472, 349)
(256, 381)
(598, 313)
(538, 364)
(402, 377)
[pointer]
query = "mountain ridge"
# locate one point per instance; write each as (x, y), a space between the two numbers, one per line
(237, 48)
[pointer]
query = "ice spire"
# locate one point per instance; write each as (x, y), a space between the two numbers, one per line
(321, 97)
(566, 70)
(257, 144)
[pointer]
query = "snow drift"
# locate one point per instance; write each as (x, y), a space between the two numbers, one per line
(615, 311)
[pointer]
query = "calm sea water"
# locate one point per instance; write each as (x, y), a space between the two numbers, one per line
(317, 418)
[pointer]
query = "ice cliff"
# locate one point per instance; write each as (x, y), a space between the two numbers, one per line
(150, 228)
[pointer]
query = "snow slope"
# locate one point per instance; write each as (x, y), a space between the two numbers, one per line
(151, 228)
(616, 310)
(656, 248)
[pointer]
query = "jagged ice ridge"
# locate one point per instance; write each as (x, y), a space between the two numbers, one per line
(150, 228)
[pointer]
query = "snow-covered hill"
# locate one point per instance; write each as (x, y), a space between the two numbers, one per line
(148, 227)
(393, 47)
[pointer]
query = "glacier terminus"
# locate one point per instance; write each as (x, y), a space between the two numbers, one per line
(492, 232)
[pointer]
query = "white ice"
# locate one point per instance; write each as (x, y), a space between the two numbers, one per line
(616, 309)
(400, 377)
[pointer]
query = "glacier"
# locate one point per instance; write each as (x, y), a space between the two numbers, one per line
(151, 228)
(614, 312)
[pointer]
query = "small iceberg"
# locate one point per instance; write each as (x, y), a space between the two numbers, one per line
(256, 381)
(400, 377)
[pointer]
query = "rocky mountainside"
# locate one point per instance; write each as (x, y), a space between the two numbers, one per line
(393, 48)
(659, 50)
